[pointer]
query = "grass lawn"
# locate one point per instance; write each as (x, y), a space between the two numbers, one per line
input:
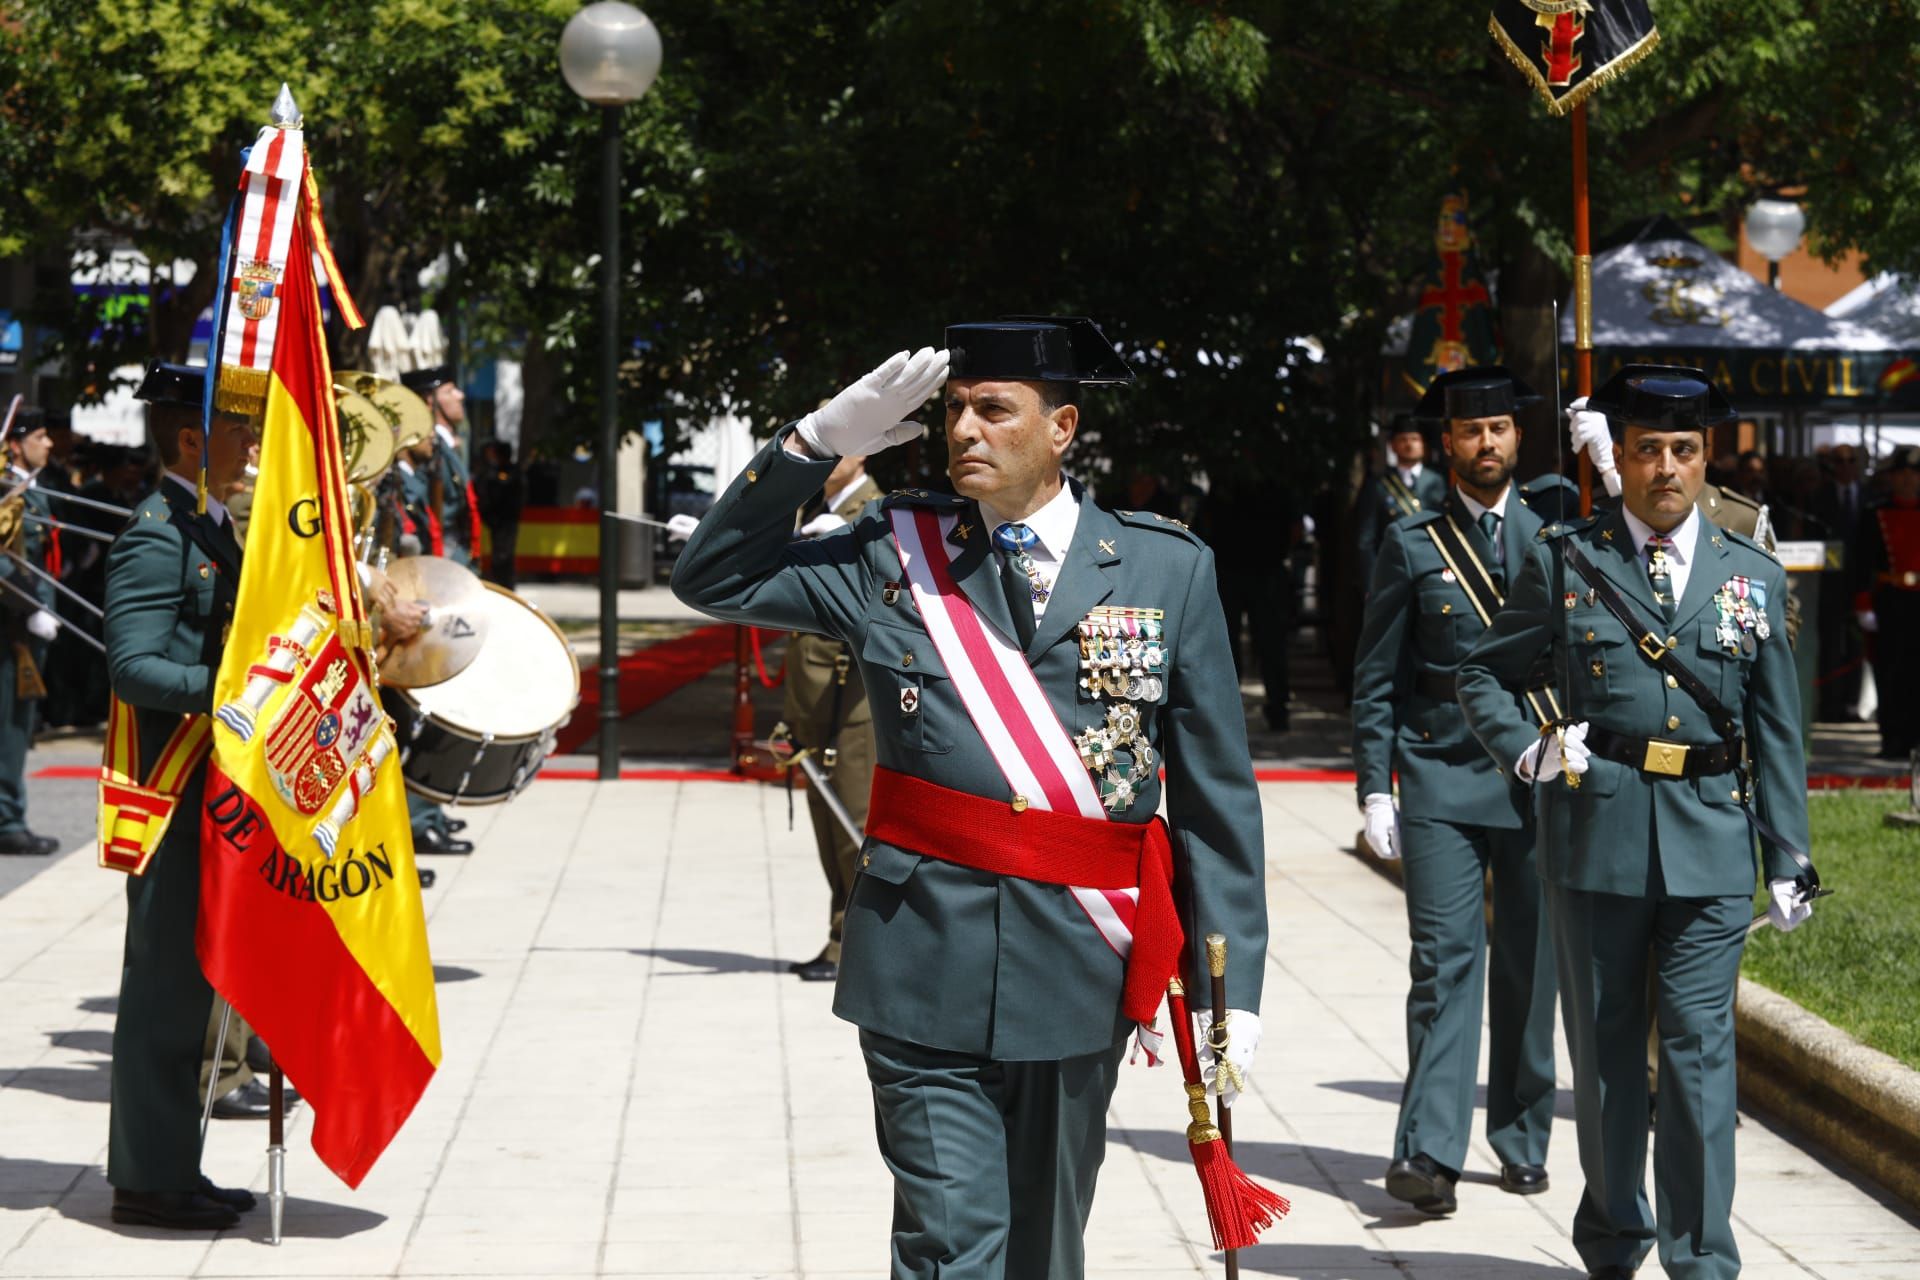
(1857, 962)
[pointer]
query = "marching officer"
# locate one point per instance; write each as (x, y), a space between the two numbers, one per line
(826, 707)
(172, 576)
(1441, 576)
(1683, 711)
(458, 513)
(1888, 603)
(1407, 486)
(1031, 657)
(29, 625)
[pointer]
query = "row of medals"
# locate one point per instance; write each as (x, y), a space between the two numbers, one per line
(1122, 656)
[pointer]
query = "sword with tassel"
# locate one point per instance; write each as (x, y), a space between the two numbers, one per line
(1219, 1035)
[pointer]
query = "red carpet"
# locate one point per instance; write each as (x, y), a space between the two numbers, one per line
(646, 677)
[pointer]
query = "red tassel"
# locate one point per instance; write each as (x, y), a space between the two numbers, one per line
(1238, 1208)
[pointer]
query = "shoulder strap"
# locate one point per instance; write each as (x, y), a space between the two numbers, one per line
(1474, 579)
(1396, 488)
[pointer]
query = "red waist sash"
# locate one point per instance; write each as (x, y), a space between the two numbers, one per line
(1049, 847)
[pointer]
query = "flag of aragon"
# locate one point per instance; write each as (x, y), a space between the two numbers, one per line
(310, 915)
(1569, 48)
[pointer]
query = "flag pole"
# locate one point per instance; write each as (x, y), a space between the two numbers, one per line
(276, 1150)
(1582, 293)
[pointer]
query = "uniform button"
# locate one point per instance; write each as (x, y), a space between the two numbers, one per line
(1673, 722)
(1673, 642)
(1425, 736)
(1735, 793)
(1672, 683)
(1589, 637)
(752, 475)
(1019, 804)
(907, 660)
(1446, 608)
(866, 859)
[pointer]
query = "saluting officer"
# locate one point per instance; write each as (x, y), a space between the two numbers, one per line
(172, 576)
(457, 511)
(29, 625)
(825, 704)
(1031, 658)
(1407, 486)
(1671, 632)
(1441, 575)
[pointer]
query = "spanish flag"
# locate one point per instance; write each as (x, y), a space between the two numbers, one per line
(310, 915)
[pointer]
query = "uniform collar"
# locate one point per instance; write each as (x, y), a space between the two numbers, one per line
(1681, 539)
(1410, 475)
(1053, 524)
(1475, 510)
(446, 435)
(215, 508)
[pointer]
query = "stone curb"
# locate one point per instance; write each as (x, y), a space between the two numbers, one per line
(1858, 1103)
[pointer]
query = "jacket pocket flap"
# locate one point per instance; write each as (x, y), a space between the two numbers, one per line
(887, 862)
(909, 652)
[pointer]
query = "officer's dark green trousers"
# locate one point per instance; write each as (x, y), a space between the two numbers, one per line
(993, 1163)
(161, 1029)
(1445, 866)
(425, 815)
(1602, 940)
(16, 735)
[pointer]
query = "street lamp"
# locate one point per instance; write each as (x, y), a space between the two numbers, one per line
(1774, 228)
(609, 53)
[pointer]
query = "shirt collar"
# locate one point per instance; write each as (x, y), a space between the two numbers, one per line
(1681, 538)
(846, 491)
(446, 433)
(215, 508)
(1412, 473)
(1053, 524)
(15, 469)
(1474, 509)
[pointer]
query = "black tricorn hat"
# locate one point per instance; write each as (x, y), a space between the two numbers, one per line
(423, 381)
(1036, 349)
(1662, 397)
(26, 422)
(1405, 423)
(182, 385)
(1484, 391)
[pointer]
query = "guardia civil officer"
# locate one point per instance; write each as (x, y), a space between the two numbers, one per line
(1031, 658)
(1441, 576)
(27, 625)
(458, 513)
(1671, 632)
(825, 704)
(172, 576)
(1408, 485)
(1887, 606)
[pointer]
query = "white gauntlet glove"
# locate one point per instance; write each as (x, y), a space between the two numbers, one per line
(1544, 755)
(1243, 1037)
(867, 416)
(1588, 430)
(681, 527)
(1786, 909)
(1383, 827)
(822, 525)
(43, 624)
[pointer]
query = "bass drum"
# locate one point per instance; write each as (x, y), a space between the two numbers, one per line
(481, 736)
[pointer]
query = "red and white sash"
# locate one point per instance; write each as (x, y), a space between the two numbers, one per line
(1009, 708)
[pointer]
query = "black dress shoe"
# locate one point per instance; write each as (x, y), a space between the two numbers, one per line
(433, 840)
(818, 969)
(427, 876)
(1422, 1183)
(259, 1057)
(1611, 1273)
(26, 844)
(1523, 1179)
(173, 1210)
(252, 1101)
(238, 1199)
(456, 825)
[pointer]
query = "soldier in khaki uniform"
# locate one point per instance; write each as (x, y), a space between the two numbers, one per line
(826, 707)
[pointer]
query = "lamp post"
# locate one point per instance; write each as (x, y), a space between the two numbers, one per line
(1774, 228)
(609, 53)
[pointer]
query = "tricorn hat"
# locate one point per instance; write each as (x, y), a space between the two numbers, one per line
(26, 422)
(1663, 397)
(1484, 391)
(423, 381)
(1036, 349)
(182, 385)
(1405, 424)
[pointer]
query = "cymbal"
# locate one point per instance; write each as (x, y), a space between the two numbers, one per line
(460, 609)
(406, 412)
(365, 436)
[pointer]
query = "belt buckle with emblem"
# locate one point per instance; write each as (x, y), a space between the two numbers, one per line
(1669, 759)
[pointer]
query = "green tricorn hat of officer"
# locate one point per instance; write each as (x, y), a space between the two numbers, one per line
(181, 385)
(1661, 397)
(1036, 349)
(1484, 391)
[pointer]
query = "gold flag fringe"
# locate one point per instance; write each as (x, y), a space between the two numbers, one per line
(1579, 94)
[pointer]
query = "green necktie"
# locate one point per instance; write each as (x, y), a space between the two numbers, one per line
(1659, 573)
(1490, 526)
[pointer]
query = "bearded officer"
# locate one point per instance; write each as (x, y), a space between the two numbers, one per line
(29, 626)
(172, 576)
(1672, 632)
(1442, 574)
(1019, 614)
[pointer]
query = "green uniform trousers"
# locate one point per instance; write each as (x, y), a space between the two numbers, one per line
(17, 718)
(1445, 869)
(424, 815)
(159, 1036)
(993, 1163)
(1602, 940)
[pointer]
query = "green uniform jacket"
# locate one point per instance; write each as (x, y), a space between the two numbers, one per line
(456, 511)
(1596, 838)
(1420, 623)
(808, 705)
(952, 958)
(1377, 511)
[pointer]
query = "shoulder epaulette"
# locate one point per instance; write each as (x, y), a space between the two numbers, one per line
(1424, 516)
(922, 498)
(1743, 540)
(1561, 528)
(1154, 520)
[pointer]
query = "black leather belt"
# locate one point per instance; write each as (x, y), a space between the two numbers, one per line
(1660, 758)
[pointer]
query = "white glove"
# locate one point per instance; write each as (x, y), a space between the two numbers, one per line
(1243, 1037)
(1383, 827)
(1869, 620)
(43, 625)
(822, 525)
(867, 416)
(1589, 431)
(1544, 755)
(680, 528)
(1786, 910)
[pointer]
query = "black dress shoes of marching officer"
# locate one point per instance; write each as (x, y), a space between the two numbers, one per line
(251, 1101)
(456, 825)
(238, 1199)
(1523, 1179)
(1611, 1273)
(1422, 1183)
(172, 1210)
(24, 843)
(433, 840)
(818, 969)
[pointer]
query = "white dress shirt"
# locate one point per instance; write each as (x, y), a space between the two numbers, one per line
(1053, 526)
(1679, 555)
(1410, 476)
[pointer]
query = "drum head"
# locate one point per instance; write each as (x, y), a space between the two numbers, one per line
(523, 683)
